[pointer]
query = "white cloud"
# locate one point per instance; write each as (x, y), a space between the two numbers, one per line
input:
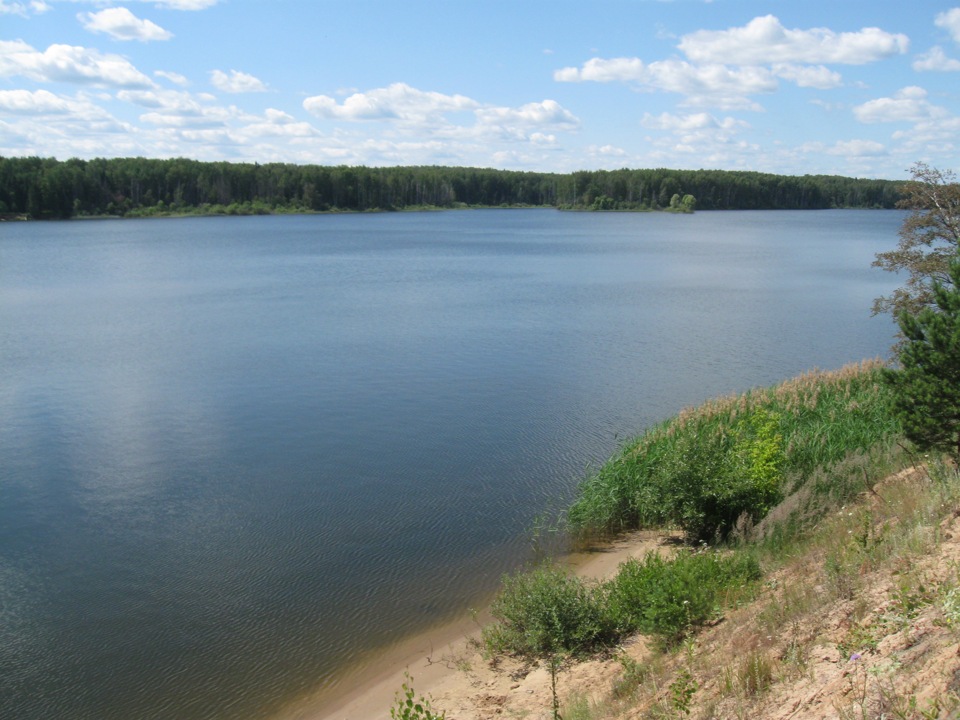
(40, 102)
(543, 139)
(23, 9)
(857, 148)
(456, 120)
(706, 85)
(175, 78)
(69, 63)
(813, 76)
(602, 70)
(687, 123)
(170, 101)
(764, 40)
(548, 113)
(936, 60)
(398, 101)
(908, 105)
(42, 123)
(950, 21)
(121, 24)
(236, 82)
(610, 151)
(276, 123)
(186, 4)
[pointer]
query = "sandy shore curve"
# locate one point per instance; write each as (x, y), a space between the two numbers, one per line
(444, 662)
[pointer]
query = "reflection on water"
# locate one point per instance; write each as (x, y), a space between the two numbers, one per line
(239, 452)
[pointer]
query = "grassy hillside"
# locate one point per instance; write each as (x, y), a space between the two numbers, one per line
(808, 551)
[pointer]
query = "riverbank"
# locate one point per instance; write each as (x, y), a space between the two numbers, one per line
(445, 662)
(827, 635)
(859, 559)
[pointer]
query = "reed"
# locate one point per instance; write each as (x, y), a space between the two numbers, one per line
(734, 458)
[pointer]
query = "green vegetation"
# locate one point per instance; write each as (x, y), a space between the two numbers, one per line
(547, 612)
(927, 386)
(759, 466)
(929, 239)
(787, 478)
(730, 460)
(48, 188)
(667, 599)
(408, 706)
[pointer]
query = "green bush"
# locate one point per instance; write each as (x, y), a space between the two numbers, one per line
(709, 466)
(547, 611)
(669, 598)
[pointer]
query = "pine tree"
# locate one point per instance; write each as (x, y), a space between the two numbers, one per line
(927, 385)
(929, 238)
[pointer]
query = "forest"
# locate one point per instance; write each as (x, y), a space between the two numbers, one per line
(46, 188)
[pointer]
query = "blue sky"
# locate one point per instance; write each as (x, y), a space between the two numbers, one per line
(852, 87)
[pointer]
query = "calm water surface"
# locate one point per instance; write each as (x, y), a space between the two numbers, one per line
(238, 453)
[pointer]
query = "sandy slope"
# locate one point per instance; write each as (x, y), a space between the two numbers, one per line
(886, 649)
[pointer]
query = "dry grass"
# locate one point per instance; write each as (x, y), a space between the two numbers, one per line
(860, 619)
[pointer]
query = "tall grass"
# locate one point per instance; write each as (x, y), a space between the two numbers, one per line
(732, 459)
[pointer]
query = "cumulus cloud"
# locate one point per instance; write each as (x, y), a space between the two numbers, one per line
(69, 63)
(175, 78)
(709, 85)
(398, 101)
(687, 123)
(171, 101)
(857, 148)
(276, 123)
(605, 70)
(950, 21)
(765, 40)
(546, 113)
(936, 60)
(23, 9)
(812, 76)
(186, 4)
(236, 82)
(39, 102)
(40, 122)
(121, 24)
(908, 105)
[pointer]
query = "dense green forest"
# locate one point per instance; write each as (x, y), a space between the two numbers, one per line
(47, 188)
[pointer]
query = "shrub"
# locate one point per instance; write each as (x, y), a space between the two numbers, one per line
(547, 611)
(669, 598)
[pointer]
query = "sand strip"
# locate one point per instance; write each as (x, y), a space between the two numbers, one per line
(435, 659)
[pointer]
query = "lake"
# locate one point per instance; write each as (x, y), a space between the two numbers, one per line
(241, 454)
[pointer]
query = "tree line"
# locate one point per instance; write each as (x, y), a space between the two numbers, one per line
(48, 188)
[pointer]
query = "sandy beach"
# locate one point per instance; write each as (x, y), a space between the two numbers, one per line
(446, 665)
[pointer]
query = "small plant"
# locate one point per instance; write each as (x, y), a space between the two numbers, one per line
(682, 690)
(577, 707)
(408, 707)
(842, 570)
(860, 639)
(950, 606)
(909, 600)
(633, 676)
(755, 674)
